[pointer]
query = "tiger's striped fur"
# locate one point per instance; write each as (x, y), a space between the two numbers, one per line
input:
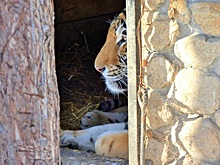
(106, 132)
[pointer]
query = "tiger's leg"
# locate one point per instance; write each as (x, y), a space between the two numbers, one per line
(113, 144)
(97, 117)
(85, 139)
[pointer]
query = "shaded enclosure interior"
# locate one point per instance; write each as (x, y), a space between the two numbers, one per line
(80, 31)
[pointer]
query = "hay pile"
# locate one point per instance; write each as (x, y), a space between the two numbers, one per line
(80, 86)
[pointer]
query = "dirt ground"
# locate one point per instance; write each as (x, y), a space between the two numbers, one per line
(75, 157)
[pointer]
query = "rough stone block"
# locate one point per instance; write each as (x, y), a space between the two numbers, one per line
(166, 114)
(153, 4)
(157, 35)
(170, 152)
(155, 103)
(217, 117)
(159, 72)
(201, 138)
(188, 160)
(197, 50)
(154, 150)
(179, 10)
(173, 31)
(214, 69)
(198, 91)
(207, 16)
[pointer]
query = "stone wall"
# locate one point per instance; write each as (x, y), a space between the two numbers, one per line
(181, 42)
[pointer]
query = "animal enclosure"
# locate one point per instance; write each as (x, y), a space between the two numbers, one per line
(81, 29)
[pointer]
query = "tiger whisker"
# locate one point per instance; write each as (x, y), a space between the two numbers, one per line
(124, 82)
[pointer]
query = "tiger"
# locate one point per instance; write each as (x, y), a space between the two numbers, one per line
(106, 132)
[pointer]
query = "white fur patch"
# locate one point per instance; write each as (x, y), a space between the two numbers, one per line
(85, 139)
(113, 87)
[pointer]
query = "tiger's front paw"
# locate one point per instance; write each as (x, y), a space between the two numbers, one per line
(68, 139)
(95, 118)
(80, 139)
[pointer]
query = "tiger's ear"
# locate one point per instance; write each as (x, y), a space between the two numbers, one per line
(122, 15)
(108, 55)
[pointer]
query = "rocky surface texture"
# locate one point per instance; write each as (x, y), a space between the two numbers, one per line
(181, 42)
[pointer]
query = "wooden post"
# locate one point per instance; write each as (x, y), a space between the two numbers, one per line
(29, 99)
(132, 17)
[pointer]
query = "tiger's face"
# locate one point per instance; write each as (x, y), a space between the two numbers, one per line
(111, 61)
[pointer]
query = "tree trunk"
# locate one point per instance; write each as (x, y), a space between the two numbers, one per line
(29, 99)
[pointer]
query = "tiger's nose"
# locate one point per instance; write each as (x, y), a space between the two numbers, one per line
(100, 69)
